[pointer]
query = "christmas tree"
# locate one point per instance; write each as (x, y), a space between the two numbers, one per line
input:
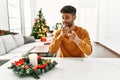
(40, 28)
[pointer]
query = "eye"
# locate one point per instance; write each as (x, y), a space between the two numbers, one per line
(63, 18)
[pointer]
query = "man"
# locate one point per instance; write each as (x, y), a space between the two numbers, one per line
(73, 41)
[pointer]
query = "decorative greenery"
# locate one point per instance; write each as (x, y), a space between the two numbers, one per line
(40, 28)
(22, 67)
(58, 26)
(5, 32)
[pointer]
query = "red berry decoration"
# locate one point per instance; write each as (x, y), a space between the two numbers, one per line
(34, 68)
(26, 67)
(39, 57)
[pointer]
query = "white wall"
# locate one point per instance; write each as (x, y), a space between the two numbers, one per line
(109, 23)
(88, 20)
(3, 15)
(51, 9)
(86, 13)
(27, 17)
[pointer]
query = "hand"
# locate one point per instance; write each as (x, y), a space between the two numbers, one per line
(64, 30)
(73, 36)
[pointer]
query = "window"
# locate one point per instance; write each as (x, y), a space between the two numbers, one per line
(14, 16)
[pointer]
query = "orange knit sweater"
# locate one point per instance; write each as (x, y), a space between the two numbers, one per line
(68, 48)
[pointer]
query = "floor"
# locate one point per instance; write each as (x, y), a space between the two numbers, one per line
(101, 52)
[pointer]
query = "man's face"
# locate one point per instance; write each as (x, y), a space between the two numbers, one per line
(68, 19)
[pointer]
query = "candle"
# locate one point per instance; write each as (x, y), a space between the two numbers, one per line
(33, 59)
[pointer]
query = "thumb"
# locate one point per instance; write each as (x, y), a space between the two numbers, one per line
(73, 32)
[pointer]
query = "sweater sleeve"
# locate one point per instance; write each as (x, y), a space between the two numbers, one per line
(54, 46)
(85, 44)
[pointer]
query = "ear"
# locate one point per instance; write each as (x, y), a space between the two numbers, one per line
(74, 17)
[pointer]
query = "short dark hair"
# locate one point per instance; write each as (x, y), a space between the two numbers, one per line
(68, 9)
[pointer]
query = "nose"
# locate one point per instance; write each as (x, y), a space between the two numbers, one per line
(64, 21)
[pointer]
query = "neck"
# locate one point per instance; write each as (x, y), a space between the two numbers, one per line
(71, 28)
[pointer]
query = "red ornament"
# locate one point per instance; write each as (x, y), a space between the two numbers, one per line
(19, 63)
(38, 66)
(43, 39)
(38, 57)
(3, 32)
(34, 68)
(42, 66)
(36, 20)
(27, 67)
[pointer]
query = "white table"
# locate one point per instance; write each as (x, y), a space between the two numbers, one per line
(74, 69)
(40, 49)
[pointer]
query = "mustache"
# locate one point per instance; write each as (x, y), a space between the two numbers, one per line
(66, 24)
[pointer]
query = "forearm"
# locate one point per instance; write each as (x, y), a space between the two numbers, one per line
(54, 46)
(84, 47)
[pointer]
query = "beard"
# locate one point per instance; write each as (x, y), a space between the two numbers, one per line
(68, 24)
